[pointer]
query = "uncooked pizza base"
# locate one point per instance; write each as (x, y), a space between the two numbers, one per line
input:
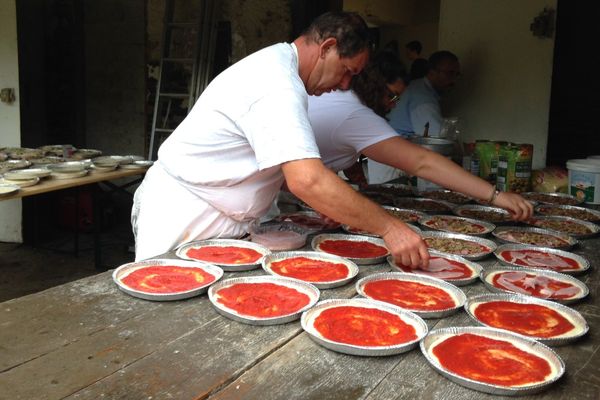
(544, 293)
(411, 295)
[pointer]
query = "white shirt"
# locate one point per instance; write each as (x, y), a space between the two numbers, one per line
(221, 167)
(344, 127)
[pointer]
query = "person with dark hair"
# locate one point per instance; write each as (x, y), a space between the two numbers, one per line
(220, 170)
(419, 106)
(418, 65)
(348, 123)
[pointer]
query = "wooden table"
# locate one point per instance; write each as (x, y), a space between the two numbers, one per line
(52, 184)
(88, 340)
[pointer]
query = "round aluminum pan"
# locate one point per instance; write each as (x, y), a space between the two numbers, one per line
(24, 153)
(427, 220)
(454, 292)
(584, 264)
(356, 231)
(488, 275)
(445, 195)
(392, 189)
(104, 167)
(405, 214)
(494, 215)
(8, 189)
(586, 214)
(68, 175)
(182, 250)
(539, 222)
(86, 153)
(9, 165)
(313, 255)
(474, 239)
(318, 224)
(310, 290)
(67, 167)
(573, 316)
(138, 164)
(423, 204)
(317, 240)
(125, 269)
(21, 182)
(524, 343)
(552, 198)
(25, 174)
(568, 240)
(474, 267)
(308, 319)
(45, 161)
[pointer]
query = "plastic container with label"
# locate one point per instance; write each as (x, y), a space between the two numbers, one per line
(584, 179)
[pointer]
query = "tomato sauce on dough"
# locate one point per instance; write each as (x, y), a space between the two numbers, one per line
(539, 259)
(353, 248)
(167, 279)
(362, 326)
(411, 295)
(527, 319)
(262, 300)
(310, 270)
(225, 254)
(492, 361)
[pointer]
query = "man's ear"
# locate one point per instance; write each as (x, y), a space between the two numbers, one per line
(326, 45)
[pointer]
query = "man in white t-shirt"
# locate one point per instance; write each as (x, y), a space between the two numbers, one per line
(348, 123)
(249, 130)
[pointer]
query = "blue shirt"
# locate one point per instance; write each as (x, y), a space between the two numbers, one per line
(418, 105)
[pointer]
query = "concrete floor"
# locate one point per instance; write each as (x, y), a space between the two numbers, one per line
(25, 269)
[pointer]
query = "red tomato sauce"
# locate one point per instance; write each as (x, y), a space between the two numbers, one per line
(310, 270)
(526, 319)
(167, 279)
(411, 295)
(225, 254)
(262, 300)
(361, 326)
(534, 258)
(492, 361)
(551, 285)
(353, 249)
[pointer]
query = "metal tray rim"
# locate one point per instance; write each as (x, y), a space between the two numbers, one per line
(181, 250)
(583, 262)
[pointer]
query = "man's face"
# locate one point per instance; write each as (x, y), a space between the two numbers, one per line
(445, 75)
(332, 72)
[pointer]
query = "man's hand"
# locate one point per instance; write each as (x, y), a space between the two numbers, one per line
(406, 246)
(519, 208)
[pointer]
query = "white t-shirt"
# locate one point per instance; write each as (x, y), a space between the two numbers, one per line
(344, 127)
(222, 165)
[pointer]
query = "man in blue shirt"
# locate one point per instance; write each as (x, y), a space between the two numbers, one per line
(419, 105)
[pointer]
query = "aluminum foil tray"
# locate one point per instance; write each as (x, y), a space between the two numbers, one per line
(488, 274)
(586, 214)
(315, 255)
(125, 269)
(551, 198)
(593, 228)
(488, 227)
(8, 189)
(474, 267)
(465, 210)
(356, 231)
(449, 196)
(583, 263)
(310, 290)
(317, 240)
(415, 214)
(182, 250)
(309, 317)
(573, 316)
(310, 228)
(531, 345)
(430, 206)
(569, 241)
(457, 294)
(475, 239)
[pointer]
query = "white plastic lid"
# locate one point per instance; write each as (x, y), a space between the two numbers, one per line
(585, 165)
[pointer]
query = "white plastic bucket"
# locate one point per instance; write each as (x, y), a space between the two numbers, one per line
(584, 179)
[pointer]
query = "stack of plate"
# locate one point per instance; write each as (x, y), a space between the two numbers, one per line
(68, 170)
